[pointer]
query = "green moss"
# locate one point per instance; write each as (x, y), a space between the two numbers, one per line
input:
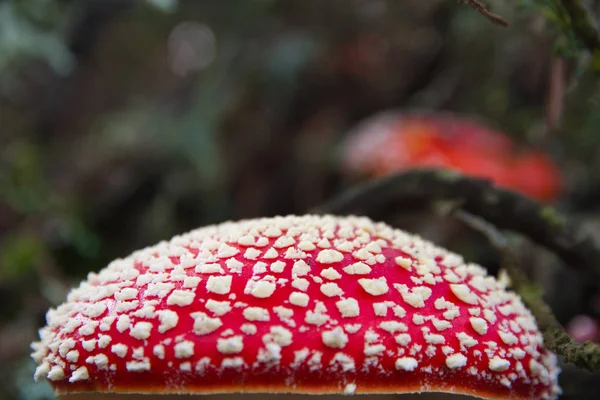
(552, 217)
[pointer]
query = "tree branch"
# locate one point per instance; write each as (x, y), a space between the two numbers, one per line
(505, 209)
(583, 24)
(482, 9)
(583, 355)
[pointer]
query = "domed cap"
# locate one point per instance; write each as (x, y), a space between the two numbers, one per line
(309, 304)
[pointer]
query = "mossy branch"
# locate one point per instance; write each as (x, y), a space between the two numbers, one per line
(583, 355)
(582, 23)
(482, 9)
(486, 208)
(505, 209)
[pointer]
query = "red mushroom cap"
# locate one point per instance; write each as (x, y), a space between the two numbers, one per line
(392, 142)
(310, 304)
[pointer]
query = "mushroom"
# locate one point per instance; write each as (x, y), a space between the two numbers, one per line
(392, 142)
(295, 304)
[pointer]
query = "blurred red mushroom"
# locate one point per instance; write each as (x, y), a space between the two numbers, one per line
(390, 142)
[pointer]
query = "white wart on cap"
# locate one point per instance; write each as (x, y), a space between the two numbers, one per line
(297, 304)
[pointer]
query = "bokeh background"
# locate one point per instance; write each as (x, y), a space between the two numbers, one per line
(125, 122)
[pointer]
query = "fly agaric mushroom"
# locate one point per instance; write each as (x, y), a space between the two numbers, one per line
(389, 142)
(296, 304)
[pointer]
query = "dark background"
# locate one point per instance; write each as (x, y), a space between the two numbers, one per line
(125, 122)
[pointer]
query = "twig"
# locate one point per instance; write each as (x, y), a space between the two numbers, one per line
(583, 24)
(583, 355)
(482, 9)
(505, 209)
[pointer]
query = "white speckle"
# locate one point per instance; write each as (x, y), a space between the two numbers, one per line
(56, 373)
(331, 274)
(466, 340)
(234, 265)
(218, 308)
(219, 284)
(203, 324)
(508, 338)
(279, 335)
(89, 345)
(348, 307)
(72, 356)
(331, 289)
(300, 284)
(490, 316)
(101, 361)
(246, 240)
(141, 330)
(285, 314)
(138, 366)
(350, 388)
(479, 324)
(251, 253)
(380, 309)
(306, 245)
(498, 364)
(209, 269)
(80, 374)
(259, 268)
(464, 293)
(261, 289)
(272, 232)
(226, 251)
(191, 282)
(329, 256)
(352, 328)
(119, 349)
(300, 268)
(406, 363)
(185, 366)
(256, 314)
(277, 267)
(432, 338)
(299, 299)
(404, 262)
(335, 338)
(168, 320)
(403, 339)
(399, 311)
(324, 243)
(184, 349)
(181, 297)
(283, 241)
(375, 287)
(476, 312)
(94, 310)
(126, 294)
(374, 349)
(159, 351)
(248, 329)
(393, 326)
(441, 325)
(104, 341)
(415, 297)
(358, 268)
(456, 361)
(230, 345)
(270, 254)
